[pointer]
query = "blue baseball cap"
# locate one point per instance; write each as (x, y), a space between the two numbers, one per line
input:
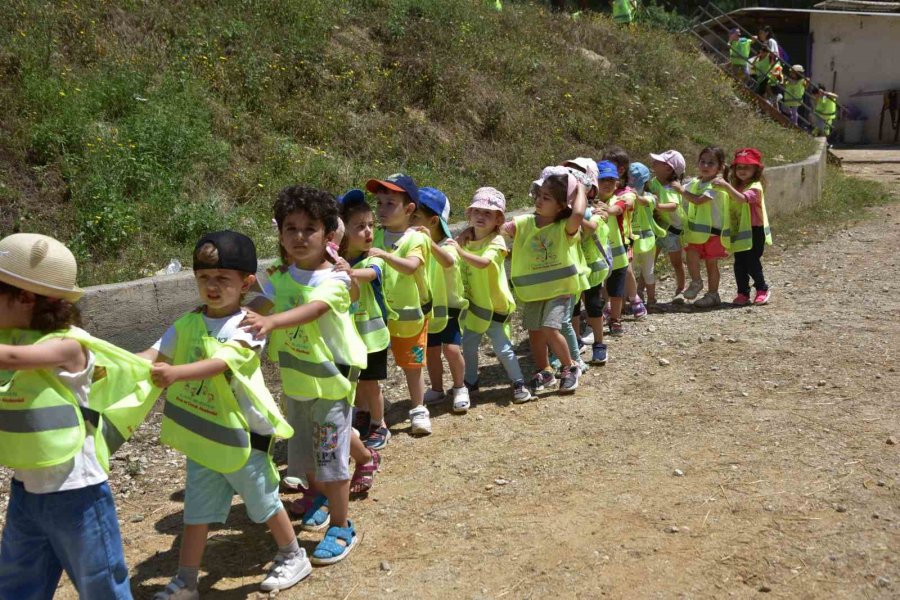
(398, 182)
(436, 201)
(638, 176)
(607, 170)
(354, 195)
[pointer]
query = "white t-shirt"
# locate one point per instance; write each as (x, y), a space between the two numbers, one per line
(328, 323)
(83, 469)
(226, 329)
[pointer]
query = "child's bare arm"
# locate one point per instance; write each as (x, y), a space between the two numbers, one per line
(667, 206)
(61, 353)
(479, 262)
(151, 354)
(735, 195)
(589, 226)
(573, 223)
(164, 375)
(443, 258)
(366, 275)
(407, 266)
(261, 326)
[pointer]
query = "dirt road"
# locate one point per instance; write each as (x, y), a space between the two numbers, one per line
(723, 453)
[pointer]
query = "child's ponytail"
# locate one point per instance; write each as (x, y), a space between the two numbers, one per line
(50, 314)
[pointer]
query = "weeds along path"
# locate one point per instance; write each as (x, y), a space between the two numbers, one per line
(762, 457)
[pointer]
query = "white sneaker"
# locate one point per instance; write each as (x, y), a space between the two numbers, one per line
(588, 338)
(461, 400)
(434, 396)
(286, 571)
(176, 590)
(421, 421)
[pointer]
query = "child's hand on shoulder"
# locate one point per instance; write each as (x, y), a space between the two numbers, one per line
(341, 265)
(163, 375)
(465, 236)
(720, 182)
(257, 324)
(421, 229)
(451, 242)
(676, 185)
(377, 253)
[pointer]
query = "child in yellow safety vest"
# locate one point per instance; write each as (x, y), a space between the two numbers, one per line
(56, 382)
(370, 315)
(668, 167)
(490, 302)
(220, 414)
(547, 272)
(707, 230)
(448, 301)
(794, 90)
(644, 232)
(825, 111)
(305, 306)
(750, 232)
(407, 255)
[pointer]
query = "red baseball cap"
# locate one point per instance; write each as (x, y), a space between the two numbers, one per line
(747, 156)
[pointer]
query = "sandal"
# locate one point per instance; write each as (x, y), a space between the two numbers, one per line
(364, 475)
(315, 518)
(330, 550)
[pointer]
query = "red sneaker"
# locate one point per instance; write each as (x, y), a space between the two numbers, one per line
(762, 297)
(741, 300)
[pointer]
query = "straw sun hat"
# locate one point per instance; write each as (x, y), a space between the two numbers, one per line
(39, 264)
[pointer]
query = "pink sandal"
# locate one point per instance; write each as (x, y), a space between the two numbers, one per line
(364, 475)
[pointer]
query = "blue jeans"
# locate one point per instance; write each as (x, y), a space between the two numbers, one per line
(75, 530)
(503, 348)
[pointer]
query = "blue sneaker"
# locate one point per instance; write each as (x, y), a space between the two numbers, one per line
(598, 356)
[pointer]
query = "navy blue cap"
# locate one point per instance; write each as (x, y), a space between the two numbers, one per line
(354, 195)
(398, 182)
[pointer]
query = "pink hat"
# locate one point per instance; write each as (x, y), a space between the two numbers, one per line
(488, 198)
(673, 158)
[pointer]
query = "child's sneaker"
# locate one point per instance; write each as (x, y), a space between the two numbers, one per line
(762, 297)
(461, 400)
(741, 300)
(176, 590)
(361, 422)
(569, 381)
(598, 354)
(434, 396)
(709, 300)
(678, 298)
(541, 380)
(582, 366)
(616, 328)
(638, 309)
(693, 289)
(378, 437)
(520, 392)
(588, 338)
(420, 420)
(286, 571)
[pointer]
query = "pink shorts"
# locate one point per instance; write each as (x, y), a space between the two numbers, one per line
(711, 249)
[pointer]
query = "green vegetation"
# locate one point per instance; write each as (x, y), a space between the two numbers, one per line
(131, 127)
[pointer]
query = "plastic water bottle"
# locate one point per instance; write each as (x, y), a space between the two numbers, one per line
(173, 267)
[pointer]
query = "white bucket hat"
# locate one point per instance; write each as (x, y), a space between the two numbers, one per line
(39, 264)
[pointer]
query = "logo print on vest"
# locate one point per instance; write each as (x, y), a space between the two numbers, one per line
(542, 246)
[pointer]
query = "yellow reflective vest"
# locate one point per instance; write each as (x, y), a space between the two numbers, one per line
(489, 299)
(370, 313)
(545, 261)
(623, 11)
(41, 422)
(595, 248)
(709, 218)
(739, 51)
(741, 223)
(408, 296)
(203, 419)
(306, 361)
(644, 229)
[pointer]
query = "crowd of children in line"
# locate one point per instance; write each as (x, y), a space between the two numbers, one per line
(351, 284)
(785, 86)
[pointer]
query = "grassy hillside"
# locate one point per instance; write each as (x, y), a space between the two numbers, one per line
(128, 128)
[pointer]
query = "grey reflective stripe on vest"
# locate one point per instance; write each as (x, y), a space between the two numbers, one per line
(479, 311)
(598, 266)
(33, 420)
(546, 276)
(214, 432)
(111, 436)
(618, 250)
(742, 235)
(699, 228)
(371, 325)
(646, 233)
(321, 370)
(409, 314)
(439, 312)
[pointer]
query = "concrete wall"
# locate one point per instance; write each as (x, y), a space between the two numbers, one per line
(864, 52)
(134, 314)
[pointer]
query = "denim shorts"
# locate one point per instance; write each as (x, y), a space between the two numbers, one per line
(670, 243)
(76, 530)
(208, 494)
